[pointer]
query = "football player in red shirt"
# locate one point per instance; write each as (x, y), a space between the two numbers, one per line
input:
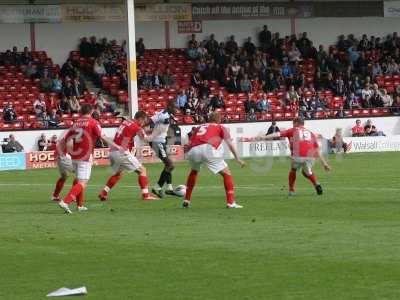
(126, 161)
(304, 150)
(83, 135)
(205, 147)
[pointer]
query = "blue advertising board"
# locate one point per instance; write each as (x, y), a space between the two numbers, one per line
(12, 161)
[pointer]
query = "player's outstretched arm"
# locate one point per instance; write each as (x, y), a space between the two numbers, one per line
(327, 167)
(268, 137)
(232, 148)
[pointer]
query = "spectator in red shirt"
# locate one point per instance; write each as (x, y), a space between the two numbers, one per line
(358, 130)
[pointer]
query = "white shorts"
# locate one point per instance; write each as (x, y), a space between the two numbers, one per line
(303, 162)
(207, 154)
(124, 161)
(82, 169)
(65, 164)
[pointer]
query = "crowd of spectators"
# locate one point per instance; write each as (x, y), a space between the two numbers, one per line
(108, 57)
(62, 90)
(350, 69)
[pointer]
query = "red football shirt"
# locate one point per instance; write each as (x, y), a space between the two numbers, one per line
(212, 134)
(84, 134)
(303, 143)
(357, 130)
(126, 133)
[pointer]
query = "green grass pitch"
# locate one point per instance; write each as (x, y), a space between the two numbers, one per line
(342, 245)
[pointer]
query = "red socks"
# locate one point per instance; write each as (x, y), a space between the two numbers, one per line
(59, 186)
(190, 183)
(73, 194)
(144, 185)
(312, 178)
(228, 183)
(292, 180)
(112, 181)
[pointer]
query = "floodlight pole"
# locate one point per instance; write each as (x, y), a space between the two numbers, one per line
(131, 57)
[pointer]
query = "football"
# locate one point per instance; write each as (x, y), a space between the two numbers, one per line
(180, 190)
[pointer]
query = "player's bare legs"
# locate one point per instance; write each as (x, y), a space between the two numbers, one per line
(308, 173)
(59, 186)
(75, 192)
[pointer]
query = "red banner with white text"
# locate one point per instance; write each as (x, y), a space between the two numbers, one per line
(47, 159)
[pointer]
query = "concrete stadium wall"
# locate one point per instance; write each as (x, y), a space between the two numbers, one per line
(389, 125)
(59, 39)
(14, 35)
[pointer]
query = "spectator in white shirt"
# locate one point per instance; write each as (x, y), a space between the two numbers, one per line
(386, 99)
(39, 106)
(366, 95)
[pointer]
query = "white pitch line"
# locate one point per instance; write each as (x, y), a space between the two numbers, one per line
(263, 187)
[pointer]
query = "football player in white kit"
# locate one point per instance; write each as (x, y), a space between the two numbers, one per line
(161, 122)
